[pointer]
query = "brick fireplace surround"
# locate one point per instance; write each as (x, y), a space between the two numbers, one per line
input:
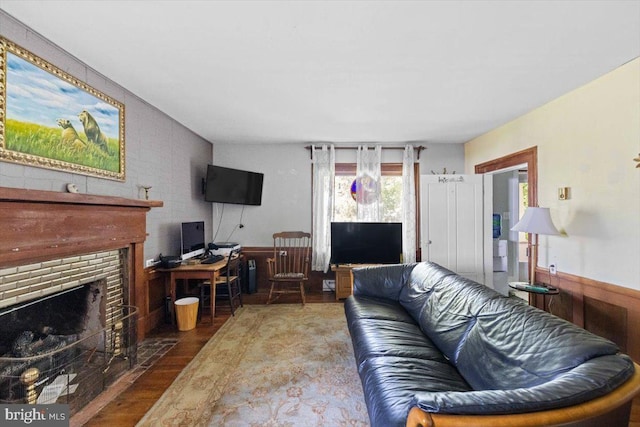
(66, 236)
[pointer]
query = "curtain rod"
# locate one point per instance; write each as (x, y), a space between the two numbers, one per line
(418, 148)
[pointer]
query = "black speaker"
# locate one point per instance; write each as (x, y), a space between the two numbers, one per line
(251, 276)
(171, 261)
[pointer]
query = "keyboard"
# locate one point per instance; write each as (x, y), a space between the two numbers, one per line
(212, 259)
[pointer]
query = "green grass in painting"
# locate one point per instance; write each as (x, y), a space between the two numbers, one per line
(43, 141)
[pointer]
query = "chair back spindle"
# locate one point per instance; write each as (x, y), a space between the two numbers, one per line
(290, 261)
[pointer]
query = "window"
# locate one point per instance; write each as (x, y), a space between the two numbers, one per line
(345, 205)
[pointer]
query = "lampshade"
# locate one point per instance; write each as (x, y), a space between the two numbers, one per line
(537, 221)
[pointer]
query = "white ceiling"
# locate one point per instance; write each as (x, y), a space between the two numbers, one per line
(342, 71)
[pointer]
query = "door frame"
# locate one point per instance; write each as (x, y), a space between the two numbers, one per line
(529, 157)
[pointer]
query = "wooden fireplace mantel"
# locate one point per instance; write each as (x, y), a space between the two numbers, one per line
(40, 225)
(36, 226)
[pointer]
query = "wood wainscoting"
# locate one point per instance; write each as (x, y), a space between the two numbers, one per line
(260, 255)
(154, 288)
(154, 285)
(611, 311)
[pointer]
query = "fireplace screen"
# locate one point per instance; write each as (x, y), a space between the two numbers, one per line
(64, 348)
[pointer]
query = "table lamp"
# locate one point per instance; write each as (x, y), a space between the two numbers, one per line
(535, 221)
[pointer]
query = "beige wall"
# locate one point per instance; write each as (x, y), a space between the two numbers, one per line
(586, 140)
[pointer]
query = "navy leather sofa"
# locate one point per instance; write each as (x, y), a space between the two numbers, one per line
(426, 338)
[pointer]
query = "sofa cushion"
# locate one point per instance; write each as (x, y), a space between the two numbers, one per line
(513, 345)
(420, 283)
(451, 311)
(587, 381)
(384, 281)
(390, 383)
(365, 307)
(377, 338)
(380, 327)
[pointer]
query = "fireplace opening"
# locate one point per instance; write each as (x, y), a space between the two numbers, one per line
(65, 347)
(29, 328)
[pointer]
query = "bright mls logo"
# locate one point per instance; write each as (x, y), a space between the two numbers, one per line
(35, 415)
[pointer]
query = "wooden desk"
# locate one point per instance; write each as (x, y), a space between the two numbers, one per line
(192, 271)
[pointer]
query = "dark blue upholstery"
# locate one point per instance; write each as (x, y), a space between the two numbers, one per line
(424, 336)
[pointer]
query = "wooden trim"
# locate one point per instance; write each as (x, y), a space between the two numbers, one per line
(40, 196)
(575, 291)
(153, 311)
(137, 294)
(386, 169)
(528, 156)
(607, 410)
(37, 226)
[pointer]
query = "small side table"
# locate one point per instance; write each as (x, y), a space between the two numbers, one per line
(534, 289)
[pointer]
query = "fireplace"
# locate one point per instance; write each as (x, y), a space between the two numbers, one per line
(71, 282)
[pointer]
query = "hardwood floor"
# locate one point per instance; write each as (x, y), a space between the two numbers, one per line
(130, 404)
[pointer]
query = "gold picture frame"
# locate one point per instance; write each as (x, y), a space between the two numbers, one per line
(50, 119)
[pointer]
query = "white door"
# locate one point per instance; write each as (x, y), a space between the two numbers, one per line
(456, 225)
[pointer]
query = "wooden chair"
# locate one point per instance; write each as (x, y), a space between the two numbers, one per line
(227, 285)
(290, 263)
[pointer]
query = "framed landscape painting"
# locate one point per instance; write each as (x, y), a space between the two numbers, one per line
(50, 119)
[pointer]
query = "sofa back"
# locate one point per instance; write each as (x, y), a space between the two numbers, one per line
(383, 281)
(495, 342)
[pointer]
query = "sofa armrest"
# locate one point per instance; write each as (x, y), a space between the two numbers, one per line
(384, 281)
(612, 409)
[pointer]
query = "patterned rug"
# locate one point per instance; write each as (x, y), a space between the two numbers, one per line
(276, 365)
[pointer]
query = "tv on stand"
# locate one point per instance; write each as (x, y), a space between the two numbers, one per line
(366, 243)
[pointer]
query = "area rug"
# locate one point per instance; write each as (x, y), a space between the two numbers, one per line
(276, 365)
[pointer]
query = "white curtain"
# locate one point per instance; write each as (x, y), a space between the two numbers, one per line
(324, 167)
(368, 173)
(408, 207)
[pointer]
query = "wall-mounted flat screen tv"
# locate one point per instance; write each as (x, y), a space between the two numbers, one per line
(227, 185)
(366, 242)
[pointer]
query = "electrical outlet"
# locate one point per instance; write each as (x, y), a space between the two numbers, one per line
(283, 253)
(553, 269)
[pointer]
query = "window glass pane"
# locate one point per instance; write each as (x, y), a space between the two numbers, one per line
(391, 199)
(345, 206)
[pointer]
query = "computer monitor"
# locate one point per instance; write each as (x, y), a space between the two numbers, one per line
(192, 239)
